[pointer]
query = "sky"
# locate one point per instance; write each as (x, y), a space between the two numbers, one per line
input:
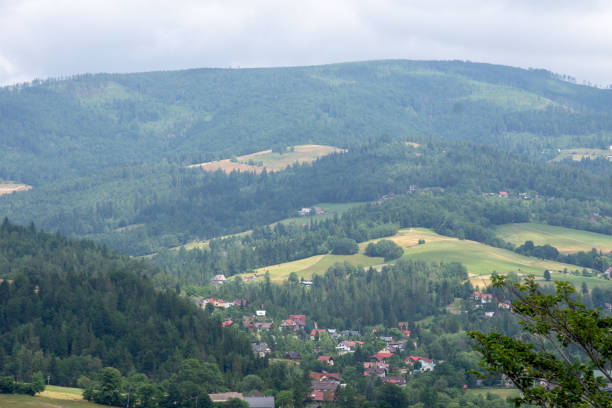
(59, 38)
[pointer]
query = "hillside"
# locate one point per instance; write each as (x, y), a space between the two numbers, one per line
(480, 260)
(79, 126)
(566, 240)
(74, 307)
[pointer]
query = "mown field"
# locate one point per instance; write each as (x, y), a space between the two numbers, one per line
(269, 160)
(9, 188)
(578, 154)
(566, 240)
(52, 397)
(479, 259)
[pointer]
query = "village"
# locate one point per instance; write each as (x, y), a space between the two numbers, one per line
(332, 356)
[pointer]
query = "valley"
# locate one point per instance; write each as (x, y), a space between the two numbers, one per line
(207, 231)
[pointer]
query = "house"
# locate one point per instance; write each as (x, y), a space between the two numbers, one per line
(504, 305)
(374, 371)
(489, 314)
(319, 211)
(260, 401)
(299, 320)
(293, 355)
(503, 194)
(259, 326)
(320, 396)
(304, 212)
(426, 363)
(288, 324)
(260, 313)
(325, 375)
(386, 339)
(333, 333)
(382, 356)
(261, 349)
(326, 359)
(486, 298)
(219, 280)
(227, 323)
(347, 346)
(240, 302)
(401, 381)
(225, 396)
(307, 283)
(314, 332)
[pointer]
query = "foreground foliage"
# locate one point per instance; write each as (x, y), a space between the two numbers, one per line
(568, 344)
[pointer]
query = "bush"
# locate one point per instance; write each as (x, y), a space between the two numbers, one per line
(384, 248)
(344, 246)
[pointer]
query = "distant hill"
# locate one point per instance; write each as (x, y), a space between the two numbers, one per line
(65, 128)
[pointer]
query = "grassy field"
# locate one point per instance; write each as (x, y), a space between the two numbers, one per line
(12, 188)
(479, 259)
(566, 240)
(52, 397)
(578, 154)
(501, 392)
(269, 160)
(317, 264)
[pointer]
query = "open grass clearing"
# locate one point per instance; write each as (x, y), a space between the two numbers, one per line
(500, 392)
(317, 264)
(269, 160)
(9, 188)
(566, 240)
(480, 260)
(40, 401)
(62, 393)
(578, 154)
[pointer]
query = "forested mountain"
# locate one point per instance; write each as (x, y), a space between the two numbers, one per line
(164, 206)
(70, 308)
(73, 127)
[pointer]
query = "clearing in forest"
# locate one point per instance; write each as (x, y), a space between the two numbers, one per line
(566, 240)
(577, 154)
(269, 160)
(479, 259)
(12, 188)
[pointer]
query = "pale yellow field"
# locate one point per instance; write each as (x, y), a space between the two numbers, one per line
(62, 393)
(578, 154)
(12, 188)
(269, 160)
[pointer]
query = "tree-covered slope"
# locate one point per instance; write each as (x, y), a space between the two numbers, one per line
(72, 307)
(54, 129)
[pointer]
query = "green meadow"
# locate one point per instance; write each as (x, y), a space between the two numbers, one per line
(479, 259)
(566, 240)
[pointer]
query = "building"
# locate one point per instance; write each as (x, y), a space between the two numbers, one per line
(261, 349)
(219, 280)
(260, 402)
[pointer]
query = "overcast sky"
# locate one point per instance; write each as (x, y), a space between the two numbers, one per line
(51, 38)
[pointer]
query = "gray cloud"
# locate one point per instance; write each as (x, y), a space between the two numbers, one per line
(42, 38)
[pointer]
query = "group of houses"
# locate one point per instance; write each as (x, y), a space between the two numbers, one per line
(303, 212)
(482, 300)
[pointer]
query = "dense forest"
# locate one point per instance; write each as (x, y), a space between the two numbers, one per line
(69, 308)
(112, 121)
(142, 210)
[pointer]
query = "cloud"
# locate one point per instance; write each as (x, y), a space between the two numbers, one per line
(42, 38)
